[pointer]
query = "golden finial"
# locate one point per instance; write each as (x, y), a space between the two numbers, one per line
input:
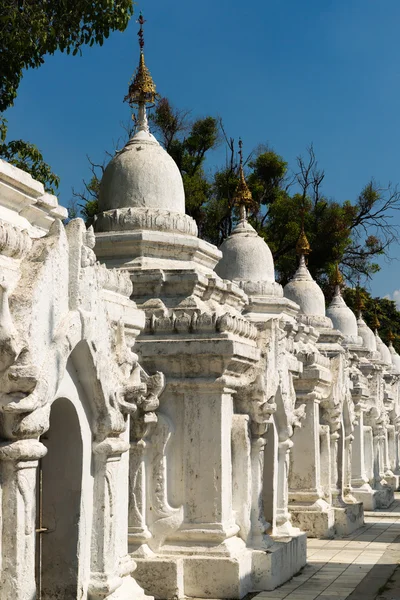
(360, 303)
(142, 90)
(337, 279)
(375, 322)
(303, 247)
(243, 197)
(391, 337)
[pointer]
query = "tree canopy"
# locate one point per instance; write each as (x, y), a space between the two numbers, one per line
(30, 30)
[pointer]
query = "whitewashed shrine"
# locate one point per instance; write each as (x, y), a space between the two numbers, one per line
(173, 423)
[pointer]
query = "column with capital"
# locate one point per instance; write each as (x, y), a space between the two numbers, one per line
(18, 464)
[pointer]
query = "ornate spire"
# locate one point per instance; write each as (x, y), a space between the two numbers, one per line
(303, 247)
(337, 280)
(142, 90)
(243, 197)
(391, 337)
(375, 322)
(360, 303)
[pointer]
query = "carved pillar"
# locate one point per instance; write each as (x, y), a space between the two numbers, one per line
(397, 447)
(283, 517)
(377, 458)
(386, 445)
(259, 525)
(359, 477)
(18, 481)
(348, 453)
(305, 472)
(207, 464)
(392, 447)
(325, 462)
(369, 454)
(336, 468)
(242, 474)
(106, 569)
(138, 532)
(382, 455)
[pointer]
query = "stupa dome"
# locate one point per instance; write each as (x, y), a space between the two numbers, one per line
(395, 358)
(342, 317)
(367, 335)
(245, 256)
(383, 350)
(303, 290)
(142, 175)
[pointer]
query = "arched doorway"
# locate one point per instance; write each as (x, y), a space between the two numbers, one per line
(59, 502)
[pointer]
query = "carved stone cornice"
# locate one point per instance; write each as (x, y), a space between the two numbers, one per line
(201, 324)
(130, 219)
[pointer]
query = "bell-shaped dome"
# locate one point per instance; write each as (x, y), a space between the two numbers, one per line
(343, 318)
(383, 350)
(245, 256)
(142, 175)
(367, 335)
(303, 290)
(395, 358)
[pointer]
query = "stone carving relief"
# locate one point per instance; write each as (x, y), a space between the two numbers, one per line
(131, 219)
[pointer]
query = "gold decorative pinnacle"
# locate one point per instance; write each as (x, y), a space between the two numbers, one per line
(337, 279)
(375, 322)
(142, 90)
(391, 337)
(242, 197)
(360, 303)
(303, 247)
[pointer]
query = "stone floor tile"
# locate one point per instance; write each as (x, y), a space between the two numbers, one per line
(302, 596)
(378, 545)
(316, 543)
(350, 567)
(329, 596)
(356, 544)
(338, 543)
(339, 591)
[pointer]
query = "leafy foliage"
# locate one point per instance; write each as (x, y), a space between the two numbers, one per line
(28, 157)
(32, 29)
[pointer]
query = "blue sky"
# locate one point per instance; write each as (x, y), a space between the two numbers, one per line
(282, 72)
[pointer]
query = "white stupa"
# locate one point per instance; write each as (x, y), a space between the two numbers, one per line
(303, 290)
(395, 356)
(246, 258)
(341, 315)
(142, 200)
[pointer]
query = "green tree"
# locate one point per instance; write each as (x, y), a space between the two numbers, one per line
(27, 156)
(351, 233)
(32, 29)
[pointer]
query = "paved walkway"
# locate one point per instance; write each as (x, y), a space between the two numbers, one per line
(361, 566)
